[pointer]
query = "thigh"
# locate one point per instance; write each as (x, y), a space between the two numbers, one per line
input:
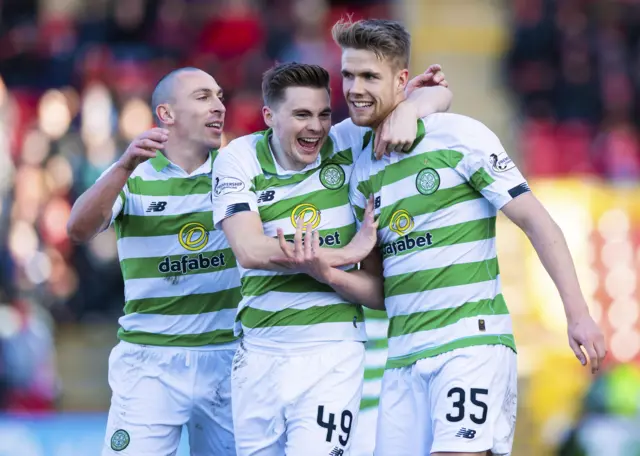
(211, 424)
(323, 418)
(472, 398)
(148, 407)
(403, 427)
(256, 404)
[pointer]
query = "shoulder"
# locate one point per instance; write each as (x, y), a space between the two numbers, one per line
(239, 153)
(460, 132)
(347, 135)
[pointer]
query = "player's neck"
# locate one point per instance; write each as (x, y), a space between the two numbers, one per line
(186, 155)
(398, 100)
(282, 158)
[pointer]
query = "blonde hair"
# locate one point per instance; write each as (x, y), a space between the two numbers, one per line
(386, 39)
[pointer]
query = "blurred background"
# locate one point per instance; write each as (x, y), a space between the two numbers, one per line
(557, 80)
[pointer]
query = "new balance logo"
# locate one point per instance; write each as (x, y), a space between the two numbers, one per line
(266, 196)
(336, 452)
(466, 433)
(157, 206)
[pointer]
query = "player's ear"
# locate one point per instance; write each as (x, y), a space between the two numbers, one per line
(402, 79)
(267, 115)
(165, 114)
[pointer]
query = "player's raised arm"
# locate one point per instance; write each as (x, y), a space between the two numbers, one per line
(490, 171)
(426, 94)
(235, 209)
(96, 208)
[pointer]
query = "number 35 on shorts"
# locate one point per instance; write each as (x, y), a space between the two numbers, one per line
(476, 408)
(346, 418)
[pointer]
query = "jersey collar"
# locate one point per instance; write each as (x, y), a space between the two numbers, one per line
(160, 162)
(266, 159)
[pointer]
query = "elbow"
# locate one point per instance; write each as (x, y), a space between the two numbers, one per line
(376, 304)
(78, 233)
(75, 233)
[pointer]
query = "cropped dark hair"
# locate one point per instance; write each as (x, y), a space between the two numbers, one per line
(276, 80)
(386, 39)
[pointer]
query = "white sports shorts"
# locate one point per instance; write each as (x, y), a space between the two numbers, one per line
(157, 390)
(302, 403)
(461, 401)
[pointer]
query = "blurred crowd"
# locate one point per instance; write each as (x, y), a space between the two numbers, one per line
(75, 80)
(575, 68)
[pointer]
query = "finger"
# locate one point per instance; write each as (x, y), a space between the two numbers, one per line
(601, 349)
(438, 77)
(297, 239)
(284, 245)
(381, 148)
(422, 80)
(149, 144)
(155, 134)
(308, 241)
(577, 351)
(407, 146)
(369, 210)
(390, 147)
(144, 153)
(593, 357)
(434, 68)
(316, 243)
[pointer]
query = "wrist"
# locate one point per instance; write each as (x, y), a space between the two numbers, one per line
(411, 104)
(337, 257)
(124, 167)
(576, 310)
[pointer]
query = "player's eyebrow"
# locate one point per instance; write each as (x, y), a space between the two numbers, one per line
(306, 111)
(202, 90)
(370, 73)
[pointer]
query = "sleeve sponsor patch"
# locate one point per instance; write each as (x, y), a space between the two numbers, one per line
(501, 162)
(519, 190)
(235, 208)
(226, 185)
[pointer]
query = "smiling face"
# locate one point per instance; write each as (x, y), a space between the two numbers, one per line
(195, 111)
(372, 86)
(300, 123)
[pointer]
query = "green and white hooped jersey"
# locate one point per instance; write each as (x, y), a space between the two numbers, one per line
(280, 308)
(437, 207)
(181, 284)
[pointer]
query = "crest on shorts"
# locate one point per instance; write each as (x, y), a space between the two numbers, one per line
(427, 181)
(332, 176)
(120, 440)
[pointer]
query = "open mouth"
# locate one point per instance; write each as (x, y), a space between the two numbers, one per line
(308, 144)
(215, 126)
(362, 104)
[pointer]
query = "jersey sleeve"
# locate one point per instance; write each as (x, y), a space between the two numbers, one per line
(118, 205)
(488, 168)
(349, 135)
(232, 186)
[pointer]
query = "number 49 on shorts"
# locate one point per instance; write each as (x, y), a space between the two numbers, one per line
(346, 418)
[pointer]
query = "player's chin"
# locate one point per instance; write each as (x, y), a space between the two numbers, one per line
(360, 119)
(214, 142)
(306, 157)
